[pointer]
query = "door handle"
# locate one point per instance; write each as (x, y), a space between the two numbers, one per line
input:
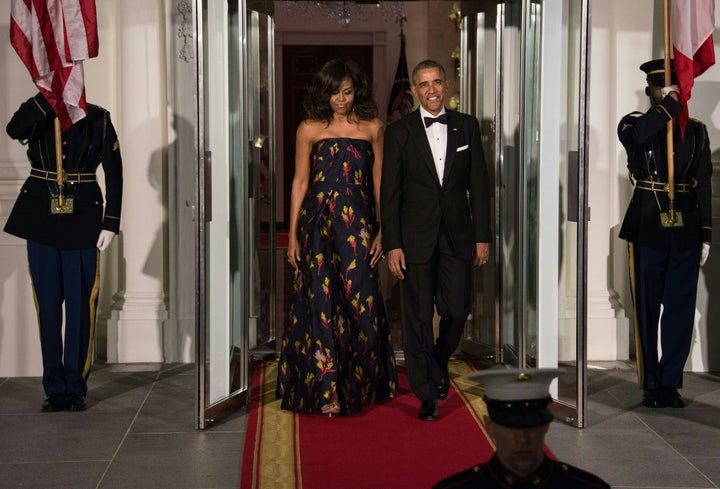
(208, 186)
(259, 142)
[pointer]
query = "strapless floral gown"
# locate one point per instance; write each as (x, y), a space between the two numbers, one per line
(337, 341)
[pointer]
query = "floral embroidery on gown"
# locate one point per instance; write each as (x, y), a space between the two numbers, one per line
(337, 339)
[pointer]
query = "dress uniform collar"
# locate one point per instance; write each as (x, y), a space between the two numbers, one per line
(509, 480)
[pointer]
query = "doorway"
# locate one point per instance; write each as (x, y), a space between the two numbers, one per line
(530, 304)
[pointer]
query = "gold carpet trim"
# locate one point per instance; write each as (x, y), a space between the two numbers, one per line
(277, 435)
(471, 393)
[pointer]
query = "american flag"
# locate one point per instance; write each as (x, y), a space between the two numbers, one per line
(692, 24)
(53, 38)
(401, 99)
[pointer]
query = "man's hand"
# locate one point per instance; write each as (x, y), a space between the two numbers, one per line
(104, 239)
(672, 90)
(482, 253)
(704, 253)
(396, 263)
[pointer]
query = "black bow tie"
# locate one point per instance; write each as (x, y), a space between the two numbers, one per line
(442, 119)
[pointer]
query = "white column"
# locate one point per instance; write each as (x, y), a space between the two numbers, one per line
(179, 329)
(608, 326)
(135, 325)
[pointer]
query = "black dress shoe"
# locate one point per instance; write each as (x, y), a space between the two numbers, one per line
(672, 398)
(653, 398)
(429, 410)
(54, 403)
(75, 402)
(443, 387)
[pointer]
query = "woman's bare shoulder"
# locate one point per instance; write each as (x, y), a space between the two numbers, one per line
(310, 129)
(375, 124)
(373, 128)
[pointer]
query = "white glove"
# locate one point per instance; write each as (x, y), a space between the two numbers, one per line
(104, 239)
(672, 88)
(704, 253)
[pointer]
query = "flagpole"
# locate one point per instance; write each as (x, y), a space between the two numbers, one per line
(668, 82)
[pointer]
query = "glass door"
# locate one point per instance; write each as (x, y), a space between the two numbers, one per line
(522, 63)
(234, 194)
(259, 84)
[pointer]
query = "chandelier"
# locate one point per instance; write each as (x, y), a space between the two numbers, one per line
(344, 13)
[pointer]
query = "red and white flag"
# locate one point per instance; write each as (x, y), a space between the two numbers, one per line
(692, 24)
(53, 38)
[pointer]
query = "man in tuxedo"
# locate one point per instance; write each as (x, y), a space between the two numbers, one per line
(435, 208)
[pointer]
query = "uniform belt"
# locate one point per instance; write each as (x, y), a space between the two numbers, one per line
(663, 186)
(67, 177)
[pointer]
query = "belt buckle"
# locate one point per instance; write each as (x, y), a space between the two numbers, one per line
(62, 205)
(671, 219)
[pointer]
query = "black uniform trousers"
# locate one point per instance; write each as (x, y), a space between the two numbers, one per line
(666, 278)
(71, 277)
(444, 282)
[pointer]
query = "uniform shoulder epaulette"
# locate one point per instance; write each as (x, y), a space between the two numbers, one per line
(629, 120)
(97, 108)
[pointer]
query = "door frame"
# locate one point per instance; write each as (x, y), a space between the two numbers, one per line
(475, 46)
(234, 168)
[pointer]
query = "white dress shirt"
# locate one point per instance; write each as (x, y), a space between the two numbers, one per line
(437, 137)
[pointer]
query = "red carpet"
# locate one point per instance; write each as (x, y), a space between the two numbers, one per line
(385, 446)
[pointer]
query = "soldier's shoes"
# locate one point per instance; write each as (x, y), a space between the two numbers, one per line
(75, 402)
(672, 397)
(54, 403)
(662, 397)
(653, 398)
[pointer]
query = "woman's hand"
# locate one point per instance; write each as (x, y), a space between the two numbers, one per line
(376, 251)
(293, 252)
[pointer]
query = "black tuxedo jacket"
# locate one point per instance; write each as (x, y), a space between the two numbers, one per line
(87, 144)
(414, 204)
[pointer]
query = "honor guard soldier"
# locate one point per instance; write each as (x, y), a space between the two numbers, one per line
(518, 418)
(60, 214)
(668, 234)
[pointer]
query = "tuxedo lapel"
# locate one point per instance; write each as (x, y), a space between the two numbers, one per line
(419, 136)
(453, 136)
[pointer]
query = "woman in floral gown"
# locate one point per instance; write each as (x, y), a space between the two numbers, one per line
(336, 352)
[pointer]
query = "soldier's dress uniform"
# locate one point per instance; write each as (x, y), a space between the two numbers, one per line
(551, 475)
(62, 254)
(518, 399)
(664, 261)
